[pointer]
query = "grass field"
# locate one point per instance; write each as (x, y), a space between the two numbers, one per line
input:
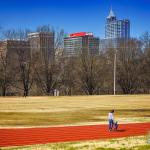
(130, 143)
(76, 110)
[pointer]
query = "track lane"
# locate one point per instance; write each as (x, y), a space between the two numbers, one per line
(30, 136)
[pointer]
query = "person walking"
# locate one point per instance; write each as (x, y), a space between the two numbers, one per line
(111, 120)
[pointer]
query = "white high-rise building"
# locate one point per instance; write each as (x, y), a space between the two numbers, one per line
(116, 31)
(116, 28)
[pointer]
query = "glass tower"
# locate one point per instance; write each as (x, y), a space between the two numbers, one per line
(116, 31)
(116, 28)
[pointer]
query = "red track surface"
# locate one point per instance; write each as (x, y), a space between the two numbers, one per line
(29, 136)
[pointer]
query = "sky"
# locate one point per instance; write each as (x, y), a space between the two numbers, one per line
(74, 15)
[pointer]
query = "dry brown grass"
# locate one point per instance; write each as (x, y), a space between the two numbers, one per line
(46, 111)
(55, 104)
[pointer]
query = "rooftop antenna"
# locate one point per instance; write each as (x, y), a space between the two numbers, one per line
(111, 7)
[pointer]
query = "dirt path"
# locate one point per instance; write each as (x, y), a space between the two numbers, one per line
(29, 136)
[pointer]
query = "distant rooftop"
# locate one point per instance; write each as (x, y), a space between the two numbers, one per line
(81, 34)
(37, 33)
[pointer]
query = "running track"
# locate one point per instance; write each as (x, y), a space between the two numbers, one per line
(29, 136)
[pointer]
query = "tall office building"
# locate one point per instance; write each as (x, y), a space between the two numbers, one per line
(42, 43)
(116, 31)
(79, 43)
(116, 28)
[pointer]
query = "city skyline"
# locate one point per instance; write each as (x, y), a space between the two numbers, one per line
(74, 16)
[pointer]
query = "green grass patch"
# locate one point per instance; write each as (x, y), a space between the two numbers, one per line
(130, 143)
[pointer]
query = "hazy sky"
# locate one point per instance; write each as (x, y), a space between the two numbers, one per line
(74, 15)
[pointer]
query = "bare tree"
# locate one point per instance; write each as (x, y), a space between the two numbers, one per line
(109, 70)
(69, 79)
(46, 76)
(19, 59)
(128, 66)
(5, 75)
(25, 71)
(145, 62)
(59, 42)
(47, 72)
(13, 34)
(88, 73)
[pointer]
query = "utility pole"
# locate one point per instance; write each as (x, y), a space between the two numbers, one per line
(115, 72)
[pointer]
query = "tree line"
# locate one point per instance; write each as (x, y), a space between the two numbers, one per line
(83, 75)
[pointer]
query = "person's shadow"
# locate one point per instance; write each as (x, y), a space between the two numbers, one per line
(120, 130)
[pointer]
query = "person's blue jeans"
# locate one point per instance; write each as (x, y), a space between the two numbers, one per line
(111, 122)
